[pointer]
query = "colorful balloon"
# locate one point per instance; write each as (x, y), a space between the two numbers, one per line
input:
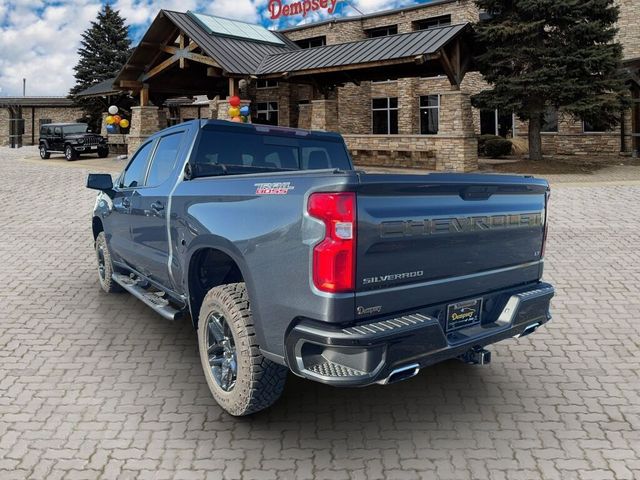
(111, 129)
(116, 119)
(234, 112)
(236, 119)
(113, 109)
(234, 101)
(245, 111)
(109, 120)
(244, 119)
(124, 123)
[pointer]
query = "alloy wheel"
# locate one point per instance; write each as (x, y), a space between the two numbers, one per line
(221, 350)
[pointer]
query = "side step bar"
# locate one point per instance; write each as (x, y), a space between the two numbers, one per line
(159, 304)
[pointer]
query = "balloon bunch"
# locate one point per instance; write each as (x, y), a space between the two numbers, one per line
(237, 113)
(114, 120)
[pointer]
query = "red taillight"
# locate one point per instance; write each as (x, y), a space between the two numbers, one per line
(546, 223)
(334, 257)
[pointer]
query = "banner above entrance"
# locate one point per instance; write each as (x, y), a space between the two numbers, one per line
(277, 9)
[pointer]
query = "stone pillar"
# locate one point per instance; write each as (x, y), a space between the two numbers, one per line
(103, 124)
(456, 124)
(324, 115)
(304, 115)
(222, 108)
(213, 107)
(145, 121)
(408, 107)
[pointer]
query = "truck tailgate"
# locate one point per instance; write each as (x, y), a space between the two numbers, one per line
(436, 238)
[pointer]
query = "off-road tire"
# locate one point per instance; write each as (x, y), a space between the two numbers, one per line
(106, 281)
(70, 153)
(44, 152)
(103, 152)
(259, 381)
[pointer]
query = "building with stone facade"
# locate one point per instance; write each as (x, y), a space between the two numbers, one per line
(24, 115)
(396, 84)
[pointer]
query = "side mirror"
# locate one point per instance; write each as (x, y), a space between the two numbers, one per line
(100, 181)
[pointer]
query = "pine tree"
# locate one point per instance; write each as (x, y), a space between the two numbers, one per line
(104, 50)
(537, 54)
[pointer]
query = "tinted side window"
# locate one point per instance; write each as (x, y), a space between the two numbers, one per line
(57, 130)
(164, 159)
(134, 175)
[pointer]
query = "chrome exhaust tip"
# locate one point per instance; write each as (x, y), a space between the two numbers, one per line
(528, 330)
(401, 373)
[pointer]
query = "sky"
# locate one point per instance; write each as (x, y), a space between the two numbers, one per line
(39, 39)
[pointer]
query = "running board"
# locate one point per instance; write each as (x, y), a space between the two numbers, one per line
(159, 304)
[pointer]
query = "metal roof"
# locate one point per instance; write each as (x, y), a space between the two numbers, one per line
(100, 89)
(235, 28)
(392, 47)
(36, 102)
(235, 55)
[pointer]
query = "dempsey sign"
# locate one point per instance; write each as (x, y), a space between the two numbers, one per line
(303, 7)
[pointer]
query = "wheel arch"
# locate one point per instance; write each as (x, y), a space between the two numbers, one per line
(96, 227)
(210, 267)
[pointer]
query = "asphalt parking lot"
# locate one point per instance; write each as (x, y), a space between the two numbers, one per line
(97, 386)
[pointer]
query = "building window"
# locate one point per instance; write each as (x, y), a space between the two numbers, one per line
(266, 83)
(312, 42)
(593, 127)
(382, 31)
(267, 113)
(432, 22)
(429, 114)
(494, 122)
(385, 115)
(550, 120)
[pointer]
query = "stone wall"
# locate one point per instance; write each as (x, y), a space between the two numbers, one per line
(324, 114)
(351, 30)
(629, 27)
(55, 114)
(4, 127)
(570, 139)
(434, 152)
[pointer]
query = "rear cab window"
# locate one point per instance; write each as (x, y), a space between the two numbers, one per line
(226, 152)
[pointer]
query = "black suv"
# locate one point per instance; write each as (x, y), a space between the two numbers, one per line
(72, 139)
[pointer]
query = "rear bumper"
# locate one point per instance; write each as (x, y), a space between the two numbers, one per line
(366, 353)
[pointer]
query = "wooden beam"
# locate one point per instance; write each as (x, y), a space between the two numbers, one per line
(132, 84)
(196, 57)
(340, 68)
(144, 95)
(181, 42)
(449, 69)
(192, 46)
(159, 68)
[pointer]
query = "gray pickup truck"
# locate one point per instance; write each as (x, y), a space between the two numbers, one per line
(286, 258)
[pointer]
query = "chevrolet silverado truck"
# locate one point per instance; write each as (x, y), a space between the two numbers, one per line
(285, 258)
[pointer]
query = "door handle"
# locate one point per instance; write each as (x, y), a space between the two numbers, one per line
(157, 206)
(126, 202)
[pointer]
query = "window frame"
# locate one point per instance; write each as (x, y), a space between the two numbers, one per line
(542, 125)
(430, 107)
(323, 39)
(267, 111)
(442, 21)
(388, 109)
(154, 152)
(369, 31)
(154, 143)
(592, 132)
(266, 81)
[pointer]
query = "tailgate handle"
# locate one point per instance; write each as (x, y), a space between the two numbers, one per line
(477, 192)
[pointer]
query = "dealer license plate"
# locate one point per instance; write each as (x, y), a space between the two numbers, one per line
(464, 314)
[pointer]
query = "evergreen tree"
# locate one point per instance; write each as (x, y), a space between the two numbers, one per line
(537, 54)
(104, 50)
